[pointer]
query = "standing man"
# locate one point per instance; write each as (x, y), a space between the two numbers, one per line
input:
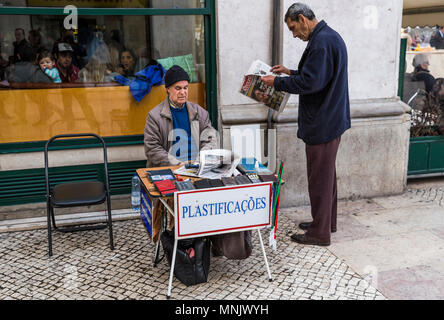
(437, 39)
(324, 114)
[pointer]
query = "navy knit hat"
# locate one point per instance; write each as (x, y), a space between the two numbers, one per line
(175, 74)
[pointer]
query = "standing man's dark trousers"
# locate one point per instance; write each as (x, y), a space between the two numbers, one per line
(322, 188)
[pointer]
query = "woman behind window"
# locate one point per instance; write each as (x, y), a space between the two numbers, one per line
(96, 70)
(128, 62)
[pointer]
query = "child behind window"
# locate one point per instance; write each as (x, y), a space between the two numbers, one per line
(47, 63)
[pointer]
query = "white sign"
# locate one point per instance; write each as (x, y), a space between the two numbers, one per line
(222, 210)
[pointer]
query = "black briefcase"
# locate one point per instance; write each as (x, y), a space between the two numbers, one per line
(192, 263)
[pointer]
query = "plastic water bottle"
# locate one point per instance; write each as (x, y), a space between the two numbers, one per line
(135, 193)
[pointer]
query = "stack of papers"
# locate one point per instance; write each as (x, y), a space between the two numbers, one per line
(213, 164)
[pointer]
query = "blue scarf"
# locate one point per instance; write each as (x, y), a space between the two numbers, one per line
(141, 85)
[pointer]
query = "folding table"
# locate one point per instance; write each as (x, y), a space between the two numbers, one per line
(257, 197)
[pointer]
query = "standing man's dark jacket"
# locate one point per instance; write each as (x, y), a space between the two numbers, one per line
(437, 40)
(322, 83)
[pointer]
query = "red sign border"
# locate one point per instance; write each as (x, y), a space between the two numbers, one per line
(179, 236)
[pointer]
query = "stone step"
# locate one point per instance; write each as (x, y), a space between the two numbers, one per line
(23, 224)
(34, 210)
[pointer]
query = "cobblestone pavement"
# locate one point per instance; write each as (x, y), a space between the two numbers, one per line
(427, 195)
(83, 267)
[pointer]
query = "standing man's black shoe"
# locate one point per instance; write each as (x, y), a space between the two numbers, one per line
(305, 225)
(304, 239)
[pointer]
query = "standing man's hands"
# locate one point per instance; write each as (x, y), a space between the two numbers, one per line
(268, 80)
(278, 69)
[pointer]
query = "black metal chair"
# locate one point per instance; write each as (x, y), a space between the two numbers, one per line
(73, 194)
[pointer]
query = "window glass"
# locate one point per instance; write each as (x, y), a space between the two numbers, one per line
(161, 4)
(101, 48)
(37, 102)
(423, 87)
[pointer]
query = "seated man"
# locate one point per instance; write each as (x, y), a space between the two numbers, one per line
(26, 70)
(177, 129)
(422, 72)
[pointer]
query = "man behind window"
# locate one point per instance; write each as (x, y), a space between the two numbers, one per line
(437, 40)
(324, 114)
(69, 73)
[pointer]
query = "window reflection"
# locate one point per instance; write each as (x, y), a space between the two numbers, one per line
(36, 52)
(161, 4)
(35, 49)
(423, 87)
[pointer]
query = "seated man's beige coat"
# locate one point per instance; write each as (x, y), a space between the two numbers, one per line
(158, 135)
(158, 139)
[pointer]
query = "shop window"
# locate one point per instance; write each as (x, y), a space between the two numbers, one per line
(422, 85)
(160, 4)
(101, 48)
(34, 106)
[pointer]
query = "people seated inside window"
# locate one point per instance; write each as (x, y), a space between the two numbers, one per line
(26, 70)
(94, 53)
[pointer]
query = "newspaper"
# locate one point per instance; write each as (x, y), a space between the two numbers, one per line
(213, 164)
(254, 88)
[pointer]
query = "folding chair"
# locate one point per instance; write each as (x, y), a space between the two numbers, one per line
(73, 194)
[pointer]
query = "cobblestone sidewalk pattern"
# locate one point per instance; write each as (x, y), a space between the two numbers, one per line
(83, 267)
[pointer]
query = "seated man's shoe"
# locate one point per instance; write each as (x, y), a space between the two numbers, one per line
(216, 252)
(305, 225)
(304, 239)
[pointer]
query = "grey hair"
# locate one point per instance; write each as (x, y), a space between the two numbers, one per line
(420, 59)
(299, 8)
